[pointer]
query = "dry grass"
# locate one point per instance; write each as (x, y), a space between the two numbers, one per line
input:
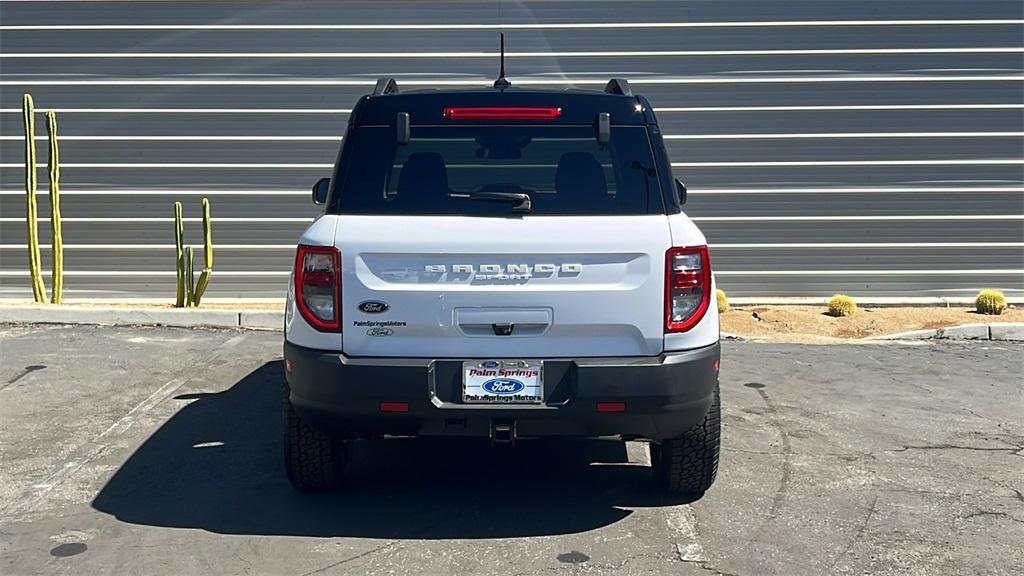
(811, 322)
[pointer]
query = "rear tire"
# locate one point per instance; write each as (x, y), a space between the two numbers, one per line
(688, 463)
(314, 460)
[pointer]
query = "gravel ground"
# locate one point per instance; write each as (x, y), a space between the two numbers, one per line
(810, 323)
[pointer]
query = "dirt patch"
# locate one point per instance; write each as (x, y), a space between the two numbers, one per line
(811, 322)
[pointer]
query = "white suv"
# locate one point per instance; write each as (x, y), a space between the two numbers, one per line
(502, 263)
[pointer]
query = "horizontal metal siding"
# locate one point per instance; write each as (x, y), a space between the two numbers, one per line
(872, 171)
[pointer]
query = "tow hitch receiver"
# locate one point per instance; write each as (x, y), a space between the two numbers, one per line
(503, 431)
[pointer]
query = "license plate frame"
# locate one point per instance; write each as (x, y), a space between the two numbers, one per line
(501, 384)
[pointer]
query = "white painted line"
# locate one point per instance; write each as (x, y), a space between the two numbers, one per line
(492, 55)
(669, 109)
(679, 517)
(523, 25)
(88, 451)
(526, 81)
(681, 522)
(754, 136)
(698, 192)
(872, 272)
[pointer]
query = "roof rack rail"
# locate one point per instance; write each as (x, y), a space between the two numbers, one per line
(385, 86)
(618, 86)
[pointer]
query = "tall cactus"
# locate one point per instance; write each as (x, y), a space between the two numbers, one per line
(57, 245)
(32, 211)
(179, 233)
(190, 293)
(204, 278)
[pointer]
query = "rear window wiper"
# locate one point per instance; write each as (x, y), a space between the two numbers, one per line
(520, 200)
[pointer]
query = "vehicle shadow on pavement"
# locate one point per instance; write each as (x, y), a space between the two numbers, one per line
(217, 465)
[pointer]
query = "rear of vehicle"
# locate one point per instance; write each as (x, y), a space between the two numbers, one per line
(508, 264)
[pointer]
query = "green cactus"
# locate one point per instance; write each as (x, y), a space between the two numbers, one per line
(190, 292)
(204, 277)
(990, 302)
(32, 211)
(57, 248)
(179, 233)
(841, 305)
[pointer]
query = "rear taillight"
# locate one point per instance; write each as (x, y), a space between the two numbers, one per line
(318, 286)
(687, 287)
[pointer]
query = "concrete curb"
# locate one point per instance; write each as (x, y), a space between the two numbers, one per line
(1011, 331)
(177, 317)
(274, 320)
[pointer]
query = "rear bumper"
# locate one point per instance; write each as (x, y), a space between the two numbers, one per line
(664, 395)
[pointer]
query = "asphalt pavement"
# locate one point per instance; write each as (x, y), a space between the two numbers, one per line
(868, 147)
(157, 451)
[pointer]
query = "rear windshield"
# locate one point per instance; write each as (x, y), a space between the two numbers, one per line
(457, 171)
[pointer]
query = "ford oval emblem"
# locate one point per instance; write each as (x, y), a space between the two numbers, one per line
(380, 332)
(490, 364)
(373, 307)
(503, 386)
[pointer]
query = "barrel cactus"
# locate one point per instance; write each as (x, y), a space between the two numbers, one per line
(990, 302)
(841, 305)
(723, 301)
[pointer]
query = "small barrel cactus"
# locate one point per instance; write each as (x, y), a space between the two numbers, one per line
(723, 301)
(841, 305)
(990, 302)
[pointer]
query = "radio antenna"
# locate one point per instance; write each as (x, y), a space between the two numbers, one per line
(501, 83)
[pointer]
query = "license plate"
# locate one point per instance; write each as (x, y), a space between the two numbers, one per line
(503, 382)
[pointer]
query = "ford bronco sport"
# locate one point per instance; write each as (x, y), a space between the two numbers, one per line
(502, 263)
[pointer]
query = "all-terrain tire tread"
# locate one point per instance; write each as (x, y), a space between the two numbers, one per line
(314, 460)
(688, 463)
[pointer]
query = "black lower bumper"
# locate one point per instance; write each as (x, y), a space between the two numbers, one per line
(664, 395)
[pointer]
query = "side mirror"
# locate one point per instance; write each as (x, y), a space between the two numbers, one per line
(681, 191)
(320, 190)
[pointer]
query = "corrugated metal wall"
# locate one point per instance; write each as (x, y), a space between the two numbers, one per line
(870, 147)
